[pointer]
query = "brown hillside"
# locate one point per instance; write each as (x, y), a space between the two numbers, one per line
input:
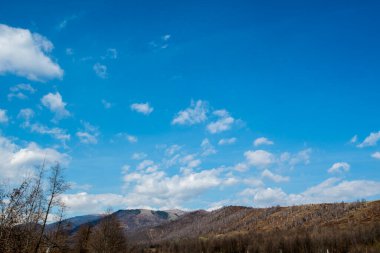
(234, 220)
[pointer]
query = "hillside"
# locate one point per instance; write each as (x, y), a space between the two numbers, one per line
(242, 220)
(341, 227)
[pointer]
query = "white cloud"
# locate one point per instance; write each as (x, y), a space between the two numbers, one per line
(106, 104)
(227, 141)
(3, 116)
(88, 135)
(224, 122)
(274, 177)
(376, 155)
(143, 108)
(196, 113)
(339, 167)
(262, 141)
(16, 161)
(330, 190)
(100, 70)
(371, 140)
(19, 90)
(354, 139)
(259, 158)
(207, 148)
(56, 105)
(26, 54)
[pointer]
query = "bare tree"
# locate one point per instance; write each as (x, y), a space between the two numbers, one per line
(57, 186)
(108, 236)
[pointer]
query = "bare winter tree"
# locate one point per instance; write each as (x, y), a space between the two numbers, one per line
(108, 236)
(57, 186)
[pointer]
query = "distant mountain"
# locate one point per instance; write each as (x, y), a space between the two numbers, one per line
(135, 219)
(131, 219)
(72, 224)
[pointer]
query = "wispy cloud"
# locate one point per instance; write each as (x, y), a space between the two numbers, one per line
(89, 134)
(63, 24)
(196, 113)
(207, 148)
(3, 116)
(125, 136)
(339, 167)
(20, 90)
(274, 177)
(227, 141)
(100, 70)
(370, 140)
(106, 104)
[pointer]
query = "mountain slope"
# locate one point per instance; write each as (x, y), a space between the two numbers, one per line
(234, 219)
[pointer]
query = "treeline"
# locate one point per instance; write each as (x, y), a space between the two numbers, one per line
(358, 239)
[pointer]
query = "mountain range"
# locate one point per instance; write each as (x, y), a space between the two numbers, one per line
(144, 226)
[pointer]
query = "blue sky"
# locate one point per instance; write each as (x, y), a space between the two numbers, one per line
(193, 104)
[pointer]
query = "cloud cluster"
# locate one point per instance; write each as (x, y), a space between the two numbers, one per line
(26, 54)
(330, 190)
(160, 190)
(16, 161)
